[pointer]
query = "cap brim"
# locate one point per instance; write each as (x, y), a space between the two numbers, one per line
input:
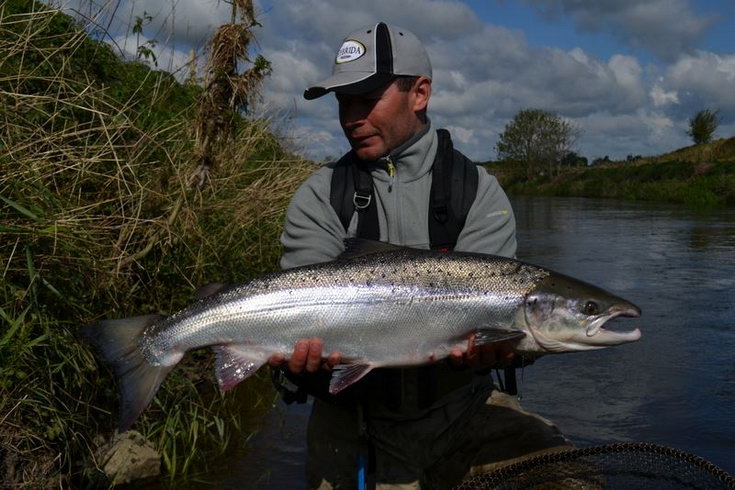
(352, 83)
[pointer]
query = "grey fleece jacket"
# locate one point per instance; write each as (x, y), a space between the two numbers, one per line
(313, 232)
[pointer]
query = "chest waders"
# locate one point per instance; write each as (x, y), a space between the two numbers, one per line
(453, 190)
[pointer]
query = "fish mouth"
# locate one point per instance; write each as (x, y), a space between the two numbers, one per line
(598, 335)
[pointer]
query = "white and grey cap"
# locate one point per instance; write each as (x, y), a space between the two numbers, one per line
(370, 57)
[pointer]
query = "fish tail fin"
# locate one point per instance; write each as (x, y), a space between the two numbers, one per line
(138, 380)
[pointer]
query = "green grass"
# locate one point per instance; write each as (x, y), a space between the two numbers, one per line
(98, 220)
(694, 184)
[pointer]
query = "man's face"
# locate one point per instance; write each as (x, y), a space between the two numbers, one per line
(378, 122)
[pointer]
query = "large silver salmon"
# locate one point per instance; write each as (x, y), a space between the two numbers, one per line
(378, 305)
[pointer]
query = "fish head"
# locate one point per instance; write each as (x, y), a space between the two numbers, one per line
(565, 315)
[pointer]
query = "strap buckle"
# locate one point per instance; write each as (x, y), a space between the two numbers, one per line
(441, 213)
(289, 396)
(361, 201)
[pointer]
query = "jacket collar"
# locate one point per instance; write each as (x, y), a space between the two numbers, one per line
(411, 160)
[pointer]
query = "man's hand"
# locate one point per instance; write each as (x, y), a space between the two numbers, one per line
(493, 355)
(306, 356)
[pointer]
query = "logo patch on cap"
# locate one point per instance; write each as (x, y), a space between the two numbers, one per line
(350, 51)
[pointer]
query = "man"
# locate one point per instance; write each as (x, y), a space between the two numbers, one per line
(408, 424)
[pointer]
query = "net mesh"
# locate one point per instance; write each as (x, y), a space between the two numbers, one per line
(612, 466)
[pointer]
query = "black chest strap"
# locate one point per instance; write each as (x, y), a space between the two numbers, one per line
(453, 190)
(352, 190)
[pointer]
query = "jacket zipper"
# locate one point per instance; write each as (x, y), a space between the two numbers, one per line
(391, 172)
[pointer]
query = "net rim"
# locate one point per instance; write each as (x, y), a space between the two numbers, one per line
(514, 469)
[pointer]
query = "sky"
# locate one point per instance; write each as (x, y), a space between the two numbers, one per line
(628, 73)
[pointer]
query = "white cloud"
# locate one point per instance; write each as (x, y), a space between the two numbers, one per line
(643, 132)
(705, 79)
(461, 134)
(661, 97)
(627, 71)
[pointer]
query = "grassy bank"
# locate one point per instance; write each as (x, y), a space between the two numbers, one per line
(98, 218)
(698, 176)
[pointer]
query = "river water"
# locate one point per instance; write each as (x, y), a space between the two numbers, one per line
(675, 387)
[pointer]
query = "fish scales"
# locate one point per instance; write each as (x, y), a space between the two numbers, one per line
(373, 296)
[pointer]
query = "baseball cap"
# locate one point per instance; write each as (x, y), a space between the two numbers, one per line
(370, 57)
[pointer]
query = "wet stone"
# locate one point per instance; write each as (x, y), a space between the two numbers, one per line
(130, 457)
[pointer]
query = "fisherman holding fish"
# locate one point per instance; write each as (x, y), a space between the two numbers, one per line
(401, 183)
(398, 256)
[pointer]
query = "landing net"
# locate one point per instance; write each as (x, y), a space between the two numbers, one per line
(613, 466)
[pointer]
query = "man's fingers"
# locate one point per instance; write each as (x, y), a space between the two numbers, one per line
(333, 359)
(473, 355)
(298, 358)
(314, 356)
(276, 360)
(456, 357)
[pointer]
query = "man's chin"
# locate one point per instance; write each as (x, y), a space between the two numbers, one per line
(369, 153)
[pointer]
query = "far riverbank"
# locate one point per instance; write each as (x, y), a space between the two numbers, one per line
(696, 176)
(691, 184)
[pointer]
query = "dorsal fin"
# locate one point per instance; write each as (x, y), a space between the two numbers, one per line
(210, 289)
(360, 247)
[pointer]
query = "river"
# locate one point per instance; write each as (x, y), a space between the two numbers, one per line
(675, 387)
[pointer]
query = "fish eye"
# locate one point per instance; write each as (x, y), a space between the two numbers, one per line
(591, 308)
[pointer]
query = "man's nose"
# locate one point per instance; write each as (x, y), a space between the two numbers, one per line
(352, 113)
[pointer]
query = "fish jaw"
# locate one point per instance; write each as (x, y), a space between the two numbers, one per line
(597, 335)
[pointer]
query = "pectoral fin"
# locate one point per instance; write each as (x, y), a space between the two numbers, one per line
(490, 335)
(236, 362)
(344, 375)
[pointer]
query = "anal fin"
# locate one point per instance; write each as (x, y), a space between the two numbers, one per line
(344, 375)
(235, 362)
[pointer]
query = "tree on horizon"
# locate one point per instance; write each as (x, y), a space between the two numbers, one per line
(537, 139)
(702, 126)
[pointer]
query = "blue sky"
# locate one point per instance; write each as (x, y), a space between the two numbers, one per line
(629, 73)
(561, 31)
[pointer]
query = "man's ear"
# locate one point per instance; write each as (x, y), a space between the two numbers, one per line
(421, 92)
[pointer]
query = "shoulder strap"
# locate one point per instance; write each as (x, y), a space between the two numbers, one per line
(453, 190)
(342, 189)
(351, 189)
